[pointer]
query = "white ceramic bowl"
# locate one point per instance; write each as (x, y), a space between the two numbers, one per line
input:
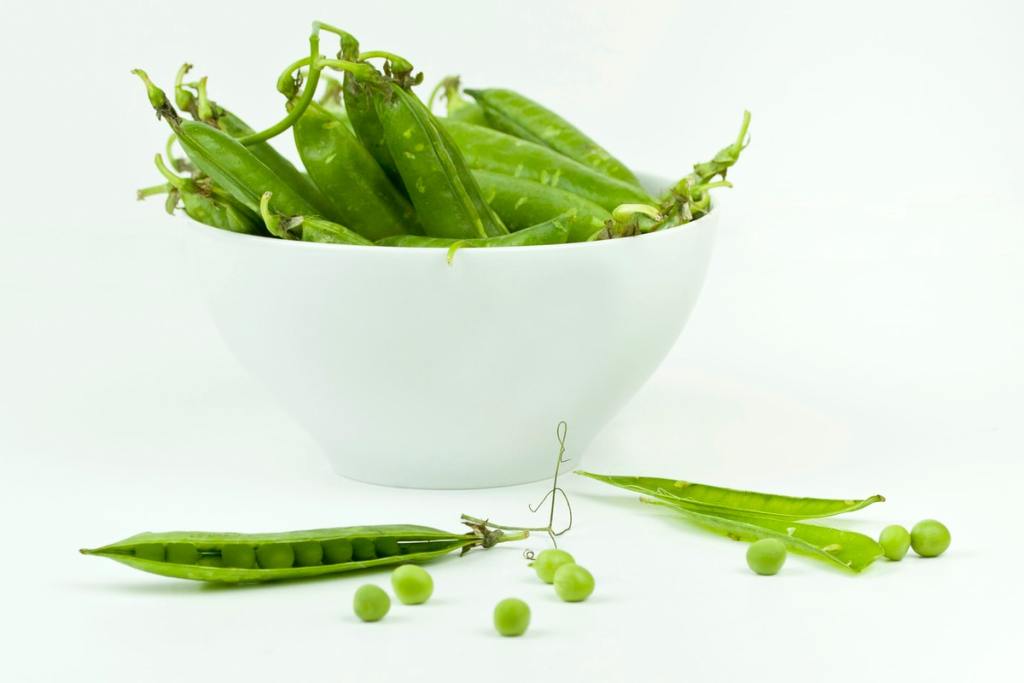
(412, 372)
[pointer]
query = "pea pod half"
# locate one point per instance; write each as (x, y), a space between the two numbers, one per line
(523, 203)
(717, 499)
(520, 116)
(845, 549)
(447, 198)
(491, 150)
(237, 558)
(751, 516)
(360, 193)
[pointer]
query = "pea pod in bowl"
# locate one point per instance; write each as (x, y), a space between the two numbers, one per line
(554, 231)
(517, 115)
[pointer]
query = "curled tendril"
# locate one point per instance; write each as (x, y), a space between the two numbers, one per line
(561, 431)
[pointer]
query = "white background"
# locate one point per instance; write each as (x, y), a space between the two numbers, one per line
(860, 332)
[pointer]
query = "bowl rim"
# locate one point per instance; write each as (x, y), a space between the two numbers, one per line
(215, 233)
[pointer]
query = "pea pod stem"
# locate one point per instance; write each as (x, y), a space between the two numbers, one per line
(182, 97)
(275, 223)
(398, 64)
(179, 164)
(158, 99)
(349, 44)
(204, 110)
(316, 63)
(153, 190)
(524, 529)
(561, 431)
(624, 212)
(689, 198)
(307, 96)
(172, 179)
(287, 82)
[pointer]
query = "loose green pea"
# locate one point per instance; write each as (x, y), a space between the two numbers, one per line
(895, 540)
(275, 555)
(929, 538)
(387, 547)
(371, 603)
(363, 549)
(182, 553)
(150, 551)
(238, 555)
(573, 583)
(766, 557)
(337, 551)
(412, 584)
(548, 561)
(511, 617)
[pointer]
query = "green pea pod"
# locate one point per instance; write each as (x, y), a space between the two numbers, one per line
(520, 116)
(221, 211)
(845, 549)
(208, 204)
(491, 150)
(228, 163)
(367, 125)
(447, 197)
(245, 558)
(358, 97)
(690, 198)
(717, 500)
(212, 113)
(233, 167)
(555, 231)
(522, 203)
(307, 228)
(361, 195)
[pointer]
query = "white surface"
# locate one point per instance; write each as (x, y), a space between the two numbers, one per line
(379, 353)
(859, 332)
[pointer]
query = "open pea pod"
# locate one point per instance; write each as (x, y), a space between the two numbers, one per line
(845, 549)
(240, 558)
(716, 500)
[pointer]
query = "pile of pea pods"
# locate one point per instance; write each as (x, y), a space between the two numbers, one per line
(381, 169)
